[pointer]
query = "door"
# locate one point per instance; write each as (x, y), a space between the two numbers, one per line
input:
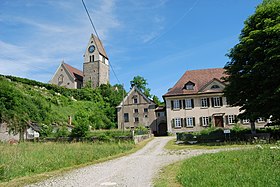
(219, 122)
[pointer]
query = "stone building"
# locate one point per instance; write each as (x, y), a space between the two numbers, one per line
(137, 109)
(197, 101)
(95, 68)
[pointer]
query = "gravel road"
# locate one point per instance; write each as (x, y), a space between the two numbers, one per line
(135, 170)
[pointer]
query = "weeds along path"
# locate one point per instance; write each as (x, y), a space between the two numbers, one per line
(135, 170)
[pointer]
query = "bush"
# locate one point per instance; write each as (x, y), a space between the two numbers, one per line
(237, 134)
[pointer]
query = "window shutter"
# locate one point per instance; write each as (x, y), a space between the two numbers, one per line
(180, 103)
(194, 121)
(182, 122)
(172, 104)
(200, 120)
(235, 118)
(210, 119)
(192, 103)
(208, 103)
(184, 103)
(173, 123)
(226, 119)
(212, 102)
(221, 101)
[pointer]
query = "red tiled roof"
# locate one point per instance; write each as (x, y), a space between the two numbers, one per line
(199, 77)
(74, 71)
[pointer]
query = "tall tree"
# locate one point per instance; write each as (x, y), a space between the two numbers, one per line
(254, 67)
(141, 84)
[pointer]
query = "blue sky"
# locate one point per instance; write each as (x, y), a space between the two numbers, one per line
(156, 39)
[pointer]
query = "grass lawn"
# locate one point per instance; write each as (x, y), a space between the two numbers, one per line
(30, 162)
(171, 145)
(248, 167)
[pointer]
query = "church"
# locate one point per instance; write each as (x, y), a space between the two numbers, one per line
(95, 68)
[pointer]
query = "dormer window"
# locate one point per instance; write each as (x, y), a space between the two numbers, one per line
(189, 86)
(215, 86)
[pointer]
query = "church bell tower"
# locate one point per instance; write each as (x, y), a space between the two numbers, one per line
(96, 64)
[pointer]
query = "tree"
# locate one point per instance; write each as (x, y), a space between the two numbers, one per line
(253, 80)
(141, 84)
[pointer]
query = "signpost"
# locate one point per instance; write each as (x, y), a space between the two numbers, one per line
(227, 134)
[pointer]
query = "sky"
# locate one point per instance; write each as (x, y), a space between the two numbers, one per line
(156, 39)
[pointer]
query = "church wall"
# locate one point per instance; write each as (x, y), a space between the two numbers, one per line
(62, 78)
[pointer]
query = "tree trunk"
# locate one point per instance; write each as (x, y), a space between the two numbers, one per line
(253, 127)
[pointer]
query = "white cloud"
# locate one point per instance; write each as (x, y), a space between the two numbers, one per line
(38, 51)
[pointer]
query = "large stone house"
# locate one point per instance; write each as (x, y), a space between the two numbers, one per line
(95, 68)
(137, 109)
(196, 102)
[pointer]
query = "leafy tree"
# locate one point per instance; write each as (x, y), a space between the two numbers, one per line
(141, 84)
(253, 70)
(157, 101)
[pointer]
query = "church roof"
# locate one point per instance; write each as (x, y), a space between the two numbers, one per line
(73, 71)
(199, 78)
(99, 46)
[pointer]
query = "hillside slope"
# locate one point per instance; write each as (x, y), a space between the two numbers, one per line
(24, 100)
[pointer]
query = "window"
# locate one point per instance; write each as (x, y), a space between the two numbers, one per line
(136, 110)
(125, 116)
(60, 79)
(231, 119)
(145, 115)
(178, 122)
(136, 120)
(189, 121)
(135, 100)
(189, 86)
(204, 102)
(260, 120)
(176, 104)
(189, 103)
(217, 101)
(246, 121)
(205, 121)
(145, 110)
(215, 86)
(103, 59)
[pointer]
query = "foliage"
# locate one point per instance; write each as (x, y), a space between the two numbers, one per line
(141, 129)
(141, 84)
(221, 168)
(253, 71)
(62, 131)
(27, 159)
(237, 134)
(23, 101)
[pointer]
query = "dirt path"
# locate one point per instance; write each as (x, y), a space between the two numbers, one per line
(135, 170)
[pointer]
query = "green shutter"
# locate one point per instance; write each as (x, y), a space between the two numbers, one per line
(194, 121)
(226, 119)
(173, 123)
(172, 104)
(221, 101)
(200, 120)
(192, 103)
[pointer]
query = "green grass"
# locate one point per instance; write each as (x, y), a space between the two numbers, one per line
(29, 159)
(167, 176)
(248, 167)
(171, 145)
